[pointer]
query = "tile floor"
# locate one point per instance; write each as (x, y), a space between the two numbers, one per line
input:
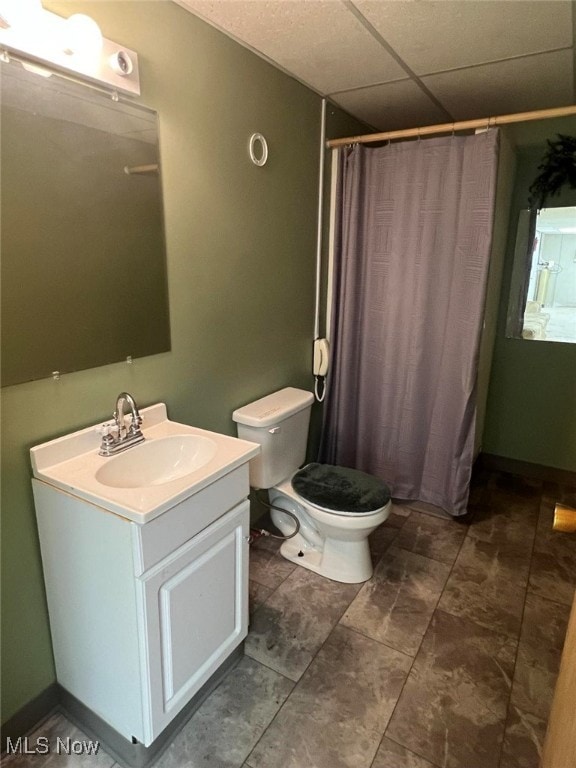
(446, 658)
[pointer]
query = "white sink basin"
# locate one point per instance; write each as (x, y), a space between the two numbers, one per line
(157, 462)
(174, 462)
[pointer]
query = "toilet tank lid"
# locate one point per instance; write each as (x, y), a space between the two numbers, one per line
(273, 408)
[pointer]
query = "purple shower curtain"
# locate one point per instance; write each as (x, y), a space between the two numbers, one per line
(412, 251)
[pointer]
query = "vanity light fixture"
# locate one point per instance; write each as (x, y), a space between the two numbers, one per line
(82, 37)
(19, 13)
(74, 45)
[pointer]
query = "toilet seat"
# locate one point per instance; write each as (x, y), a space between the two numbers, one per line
(340, 490)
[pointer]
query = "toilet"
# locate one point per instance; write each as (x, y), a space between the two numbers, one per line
(337, 508)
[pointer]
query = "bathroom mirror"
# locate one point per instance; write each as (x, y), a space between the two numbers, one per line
(83, 252)
(544, 274)
(542, 299)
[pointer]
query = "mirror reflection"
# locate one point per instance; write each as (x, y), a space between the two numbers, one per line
(550, 311)
(542, 298)
(83, 254)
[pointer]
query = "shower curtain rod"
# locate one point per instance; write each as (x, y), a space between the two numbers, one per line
(462, 125)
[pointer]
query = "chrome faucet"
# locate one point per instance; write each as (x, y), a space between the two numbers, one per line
(117, 437)
(126, 399)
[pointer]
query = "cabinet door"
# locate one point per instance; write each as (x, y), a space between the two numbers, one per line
(196, 613)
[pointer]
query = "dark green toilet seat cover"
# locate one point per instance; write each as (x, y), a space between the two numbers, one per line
(340, 489)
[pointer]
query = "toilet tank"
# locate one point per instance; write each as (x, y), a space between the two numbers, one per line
(279, 423)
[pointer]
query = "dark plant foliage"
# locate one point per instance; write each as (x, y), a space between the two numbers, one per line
(557, 169)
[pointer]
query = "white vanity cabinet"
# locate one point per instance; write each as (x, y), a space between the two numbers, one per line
(195, 603)
(143, 615)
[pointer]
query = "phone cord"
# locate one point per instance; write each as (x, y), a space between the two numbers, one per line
(320, 398)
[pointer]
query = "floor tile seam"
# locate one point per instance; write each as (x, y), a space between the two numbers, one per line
(443, 610)
(525, 712)
(435, 609)
(267, 666)
(532, 553)
(267, 586)
(515, 664)
(297, 682)
(509, 522)
(551, 599)
(523, 586)
(542, 550)
(428, 557)
(276, 714)
(408, 749)
(536, 664)
(532, 592)
(359, 632)
(281, 707)
(507, 577)
(336, 624)
(315, 654)
(450, 572)
(436, 604)
(260, 584)
(485, 627)
(384, 553)
(500, 541)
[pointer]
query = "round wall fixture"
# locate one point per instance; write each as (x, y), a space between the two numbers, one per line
(258, 148)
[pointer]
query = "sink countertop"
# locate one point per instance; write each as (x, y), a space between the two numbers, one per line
(70, 463)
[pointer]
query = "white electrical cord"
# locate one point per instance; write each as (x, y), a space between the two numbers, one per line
(319, 397)
(320, 211)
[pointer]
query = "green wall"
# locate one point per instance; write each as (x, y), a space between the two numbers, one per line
(241, 246)
(531, 410)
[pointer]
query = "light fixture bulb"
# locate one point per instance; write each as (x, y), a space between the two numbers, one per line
(25, 23)
(82, 37)
(20, 12)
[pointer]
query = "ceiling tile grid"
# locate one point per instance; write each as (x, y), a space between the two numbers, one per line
(403, 63)
(437, 35)
(394, 105)
(513, 85)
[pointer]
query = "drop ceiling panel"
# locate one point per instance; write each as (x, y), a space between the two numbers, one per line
(439, 35)
(319, 42)
(377, 58)
(391, 106)
(517, 85)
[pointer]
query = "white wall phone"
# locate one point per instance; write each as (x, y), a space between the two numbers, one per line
(321, 357)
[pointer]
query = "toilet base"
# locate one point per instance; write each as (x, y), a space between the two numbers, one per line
(348, 562)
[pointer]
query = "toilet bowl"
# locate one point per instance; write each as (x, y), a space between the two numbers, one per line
(337, 508)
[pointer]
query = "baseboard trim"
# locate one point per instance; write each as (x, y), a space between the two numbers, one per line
(516, 467)
(57, 699)
(137, 755)
(30, 715)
